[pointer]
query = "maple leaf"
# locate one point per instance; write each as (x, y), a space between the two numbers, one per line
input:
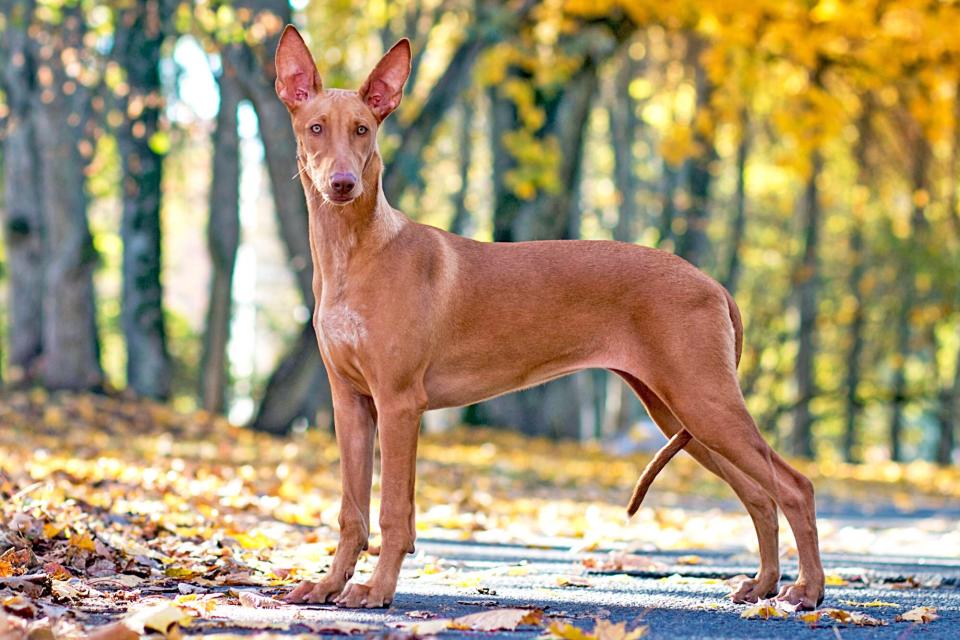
(921, 615)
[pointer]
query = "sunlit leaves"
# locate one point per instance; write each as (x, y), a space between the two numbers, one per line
(602, 630)
(920, 615)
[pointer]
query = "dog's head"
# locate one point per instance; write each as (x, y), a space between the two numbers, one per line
(336, 129)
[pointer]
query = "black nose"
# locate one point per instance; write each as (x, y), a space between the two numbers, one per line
(343, 183)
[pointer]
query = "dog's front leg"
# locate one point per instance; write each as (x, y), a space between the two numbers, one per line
(399, 426)
(354, 424)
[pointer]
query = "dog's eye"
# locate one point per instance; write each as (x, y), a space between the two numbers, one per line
(361, 130)
(316, 129)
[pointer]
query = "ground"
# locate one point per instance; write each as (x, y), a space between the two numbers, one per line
(120, 518)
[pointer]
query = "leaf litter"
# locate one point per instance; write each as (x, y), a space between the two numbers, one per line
(120, 517)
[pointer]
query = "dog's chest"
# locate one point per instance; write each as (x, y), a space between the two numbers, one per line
(341, 326)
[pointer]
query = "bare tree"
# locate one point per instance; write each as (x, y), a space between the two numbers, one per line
(223, 239)
(738, 224)
(60, 110)
(139, 37)
(852, 402)
(24, 222)
(693, 244)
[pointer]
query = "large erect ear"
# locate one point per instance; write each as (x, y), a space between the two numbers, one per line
(383, 88)
(297, 77)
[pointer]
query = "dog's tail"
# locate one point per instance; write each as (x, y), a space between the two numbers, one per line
(655, 466)
(682, 437)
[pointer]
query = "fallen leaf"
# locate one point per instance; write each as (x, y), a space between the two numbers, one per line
(833, 580)
(202, 604)
(872, 603)
(421, 615)
(620, 561)
(498, 619)
(810, 617)
(602, 630)
(922, 615)
(257, 601)
(20, 606)
(567, 631)
(690, 560)
(115, 631)
(573, 581)
(161, 617)
(765, 609)
(909, 583)
(82, 541)
(57, 571)
(341, 627)
(856, 618)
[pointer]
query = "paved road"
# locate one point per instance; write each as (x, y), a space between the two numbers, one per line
(674, 601)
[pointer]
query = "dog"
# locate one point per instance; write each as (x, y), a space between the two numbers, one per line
(409, 317)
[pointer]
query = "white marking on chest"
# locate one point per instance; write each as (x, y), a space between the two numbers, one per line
(342, 325)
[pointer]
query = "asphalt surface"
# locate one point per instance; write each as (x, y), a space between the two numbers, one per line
(674, 600)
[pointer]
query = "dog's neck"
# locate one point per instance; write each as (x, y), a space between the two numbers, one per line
(341, 233)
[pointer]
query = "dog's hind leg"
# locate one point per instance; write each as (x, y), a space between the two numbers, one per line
(708, 403)
(760, 506)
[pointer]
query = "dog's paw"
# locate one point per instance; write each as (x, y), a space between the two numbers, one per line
(315, 592)
(363, 596)
(753, 590)
(802, 595)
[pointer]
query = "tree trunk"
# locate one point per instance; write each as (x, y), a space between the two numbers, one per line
(23, 225)
(668, 208)
(139, 38)
(852, 403)
(253, 66)
(255, 71)
(506, 204)
(461, 215)
(949, 410)
(694, 244)
(297, 389)
(807, 287)
(739, 223)
(70, 347)
(908, 296)
(223, 239)
(949, 413)
(623, 133)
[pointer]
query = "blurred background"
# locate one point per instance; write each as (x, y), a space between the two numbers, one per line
(806, 154)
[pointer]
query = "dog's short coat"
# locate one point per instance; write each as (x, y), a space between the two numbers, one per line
(410, 318)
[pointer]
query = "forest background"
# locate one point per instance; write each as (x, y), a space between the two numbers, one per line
(805, 154)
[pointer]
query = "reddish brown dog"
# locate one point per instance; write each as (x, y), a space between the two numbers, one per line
(411, 318)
